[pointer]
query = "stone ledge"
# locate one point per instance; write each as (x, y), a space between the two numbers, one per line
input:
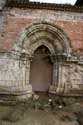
(67, 94)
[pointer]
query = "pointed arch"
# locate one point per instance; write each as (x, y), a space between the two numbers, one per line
(43, 33)
(50, 36)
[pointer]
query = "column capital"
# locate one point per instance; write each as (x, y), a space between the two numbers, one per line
(59, 57)
(53, 58)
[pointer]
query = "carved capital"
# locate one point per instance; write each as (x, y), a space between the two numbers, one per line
(58, 57)
(53, 58)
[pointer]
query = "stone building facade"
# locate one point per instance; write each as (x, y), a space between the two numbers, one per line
(41, 48)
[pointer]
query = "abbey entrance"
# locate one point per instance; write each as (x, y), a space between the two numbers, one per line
(43, 49)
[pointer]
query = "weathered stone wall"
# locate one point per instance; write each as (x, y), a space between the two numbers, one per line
(11, 74)
(13, 22)
(18, 19)
(72, 76)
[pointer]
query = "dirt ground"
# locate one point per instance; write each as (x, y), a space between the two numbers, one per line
(42, 111)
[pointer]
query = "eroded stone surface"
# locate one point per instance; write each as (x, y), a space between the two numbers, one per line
(15, 72)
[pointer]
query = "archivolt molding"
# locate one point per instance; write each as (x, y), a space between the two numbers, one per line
(46, 34)
(34, 46)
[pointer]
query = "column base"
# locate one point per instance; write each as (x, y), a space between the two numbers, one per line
(52, 89)
(55, 89)
(25, 93)
(29, 88)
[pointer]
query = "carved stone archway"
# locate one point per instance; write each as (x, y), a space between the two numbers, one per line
(50, 36)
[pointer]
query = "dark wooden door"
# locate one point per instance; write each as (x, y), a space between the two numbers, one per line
(41, 70)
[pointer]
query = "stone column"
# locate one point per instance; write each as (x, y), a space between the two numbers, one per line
(55, 77)
(27, 72)
(55, 73)
(57, 85)
(60, 85)
(26, 87)
(27, 78)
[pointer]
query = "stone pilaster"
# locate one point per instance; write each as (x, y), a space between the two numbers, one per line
(54, 84)
(25, 65)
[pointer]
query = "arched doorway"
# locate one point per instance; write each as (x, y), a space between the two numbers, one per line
(56, 42)
(41, 70)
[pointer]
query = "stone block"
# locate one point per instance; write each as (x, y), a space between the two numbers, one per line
(52, 89)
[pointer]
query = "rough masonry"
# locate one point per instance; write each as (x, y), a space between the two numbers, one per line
(23, 30)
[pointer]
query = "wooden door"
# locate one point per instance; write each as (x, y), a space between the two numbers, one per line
(41, 70)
